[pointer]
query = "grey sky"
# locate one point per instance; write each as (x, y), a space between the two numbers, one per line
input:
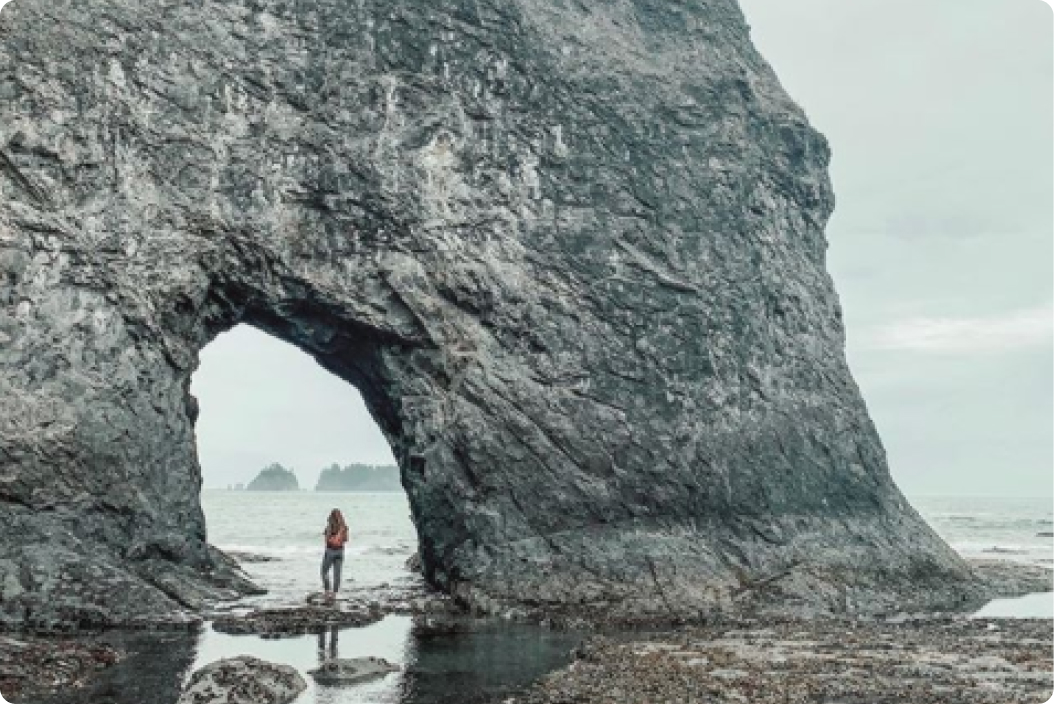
(939, 114)
(265, 401)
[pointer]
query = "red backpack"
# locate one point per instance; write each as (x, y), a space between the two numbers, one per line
(334, 541)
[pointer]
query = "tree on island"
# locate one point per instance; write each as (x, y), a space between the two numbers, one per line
(359, 477)
(274, 477)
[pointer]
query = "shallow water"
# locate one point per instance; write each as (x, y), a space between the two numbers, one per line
(480, 666)
(287, 527)
(1029, 606)
(998, 528)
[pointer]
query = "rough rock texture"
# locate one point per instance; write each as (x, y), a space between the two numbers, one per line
(30, 668)
(243, 680)
(572, 255)
(941, 661)
(352, 670)
(298, 620)
(151, 669)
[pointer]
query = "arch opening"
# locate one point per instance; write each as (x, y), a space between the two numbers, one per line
(262, 401)
(266, 405)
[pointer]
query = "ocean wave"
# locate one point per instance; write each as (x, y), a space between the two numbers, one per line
(1010, 548)
(290, 550)
(1007, 551)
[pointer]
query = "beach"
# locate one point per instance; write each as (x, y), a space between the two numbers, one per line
(1004, 654)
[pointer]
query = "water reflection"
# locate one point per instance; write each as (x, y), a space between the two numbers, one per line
(152, 671)
(475, 666)
(329, 652)
(480, 665)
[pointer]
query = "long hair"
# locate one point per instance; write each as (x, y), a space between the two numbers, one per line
(336, 523)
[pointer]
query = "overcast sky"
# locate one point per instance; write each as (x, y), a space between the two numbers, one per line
(939, 114)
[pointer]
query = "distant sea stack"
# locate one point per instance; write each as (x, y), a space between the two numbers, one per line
(274, 478)
(359, 477)
(572, 254)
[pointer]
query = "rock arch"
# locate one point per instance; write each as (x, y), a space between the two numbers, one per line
(571, 255)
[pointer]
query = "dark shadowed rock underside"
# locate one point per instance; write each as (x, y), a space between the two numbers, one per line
(572, 255)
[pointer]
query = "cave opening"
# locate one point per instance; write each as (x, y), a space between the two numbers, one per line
(269, 415)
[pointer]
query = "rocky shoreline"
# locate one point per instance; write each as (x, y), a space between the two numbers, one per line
(923, 661)
(925, 658)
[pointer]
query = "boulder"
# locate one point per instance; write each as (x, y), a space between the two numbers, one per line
(243, 680)
(352, 671)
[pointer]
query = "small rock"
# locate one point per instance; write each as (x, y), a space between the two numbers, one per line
(243, 680)
(426, 626)
(352, 671)
(247, 557)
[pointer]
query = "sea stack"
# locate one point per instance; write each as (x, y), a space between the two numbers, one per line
(274, 477)
(571, 254)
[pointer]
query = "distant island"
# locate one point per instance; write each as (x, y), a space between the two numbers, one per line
(359, 477)
(274, 478)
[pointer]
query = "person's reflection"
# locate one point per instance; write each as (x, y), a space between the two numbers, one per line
(325, 654)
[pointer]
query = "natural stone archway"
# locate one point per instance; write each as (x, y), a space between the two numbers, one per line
(572, 255)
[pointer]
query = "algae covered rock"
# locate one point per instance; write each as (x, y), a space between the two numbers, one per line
(243, 680)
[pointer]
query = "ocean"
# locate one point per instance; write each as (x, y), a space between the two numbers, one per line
(481, 666)
(484, 666)
(287, 526)
(1014, 529)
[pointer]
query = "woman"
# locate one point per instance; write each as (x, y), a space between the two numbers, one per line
(336, 534)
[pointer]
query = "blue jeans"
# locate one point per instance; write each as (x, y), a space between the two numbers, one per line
(332, 558)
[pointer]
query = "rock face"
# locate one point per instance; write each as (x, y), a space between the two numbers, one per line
(572, 255)
(243, 680)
